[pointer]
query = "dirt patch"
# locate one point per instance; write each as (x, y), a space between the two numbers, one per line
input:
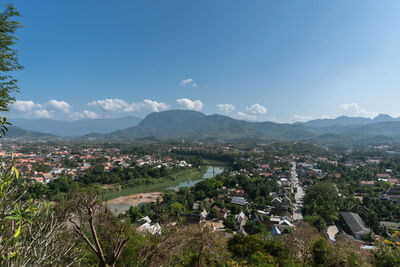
(136, 199)
(121, 204)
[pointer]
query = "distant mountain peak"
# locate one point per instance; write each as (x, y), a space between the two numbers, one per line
(383, 117)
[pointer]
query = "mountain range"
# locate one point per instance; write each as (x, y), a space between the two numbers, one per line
(194, 125)
(16, 132)
(77, 127)
(349, 121)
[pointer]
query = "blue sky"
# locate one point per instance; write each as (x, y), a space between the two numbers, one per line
(264, 60)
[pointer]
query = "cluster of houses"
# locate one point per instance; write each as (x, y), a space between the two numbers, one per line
(276, 217)
(44, 163)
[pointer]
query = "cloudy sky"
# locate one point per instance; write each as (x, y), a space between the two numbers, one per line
(257, 60)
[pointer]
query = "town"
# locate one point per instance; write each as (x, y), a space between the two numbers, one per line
(268, 189)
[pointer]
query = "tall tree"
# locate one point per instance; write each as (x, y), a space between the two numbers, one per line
(105, 235)
(8, 59)
(8, 54)
(322, 199)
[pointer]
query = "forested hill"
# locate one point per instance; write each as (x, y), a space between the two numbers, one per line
(194, 125)
(177, 124)
(16, 132)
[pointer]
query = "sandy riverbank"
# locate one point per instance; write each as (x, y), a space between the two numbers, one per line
(121, 204)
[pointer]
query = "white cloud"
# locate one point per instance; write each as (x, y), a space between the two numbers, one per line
(147, 105)
(257, 109)
(110, 104)
(188, 82)
(41, 113)
(25, 106)
(354, 109)
(186, 103)
(301, 118)
(226, 108)
(273, 119)
(86, 114)
(115, 105)
(244, 116)
(59, 105)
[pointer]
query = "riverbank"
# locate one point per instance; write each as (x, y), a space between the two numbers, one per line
(179, 177)
(122, 204)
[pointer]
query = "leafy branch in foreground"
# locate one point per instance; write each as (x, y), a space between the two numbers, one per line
(32, 233)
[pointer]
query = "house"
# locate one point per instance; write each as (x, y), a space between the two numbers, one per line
(191, 218)
(241, 219)
(241, 201)
(276, 202)
(274, 220)
(393, 193)
(281, 212)
(222, 213)
(355, 224)
(284, 182)
(208, 202)
(367, 183)
(337, 175)
(286, 202)
(394, 181)
(256, 217)
(203, 214)
(275, 231)
(47, 176)
(145, 219)
(149, 228)
(196, 206)
(383, 175)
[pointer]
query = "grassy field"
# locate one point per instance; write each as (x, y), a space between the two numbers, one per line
(190, 174)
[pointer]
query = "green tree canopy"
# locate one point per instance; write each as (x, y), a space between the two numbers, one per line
(8, 54)
(322, 199)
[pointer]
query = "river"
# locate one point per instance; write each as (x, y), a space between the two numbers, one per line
(208, 174)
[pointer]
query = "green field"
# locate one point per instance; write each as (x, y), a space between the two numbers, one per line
(190, 174)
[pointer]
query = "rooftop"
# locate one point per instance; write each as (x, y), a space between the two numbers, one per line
(355, 223)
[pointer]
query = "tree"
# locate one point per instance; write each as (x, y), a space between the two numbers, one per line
(105, 235)
(134, 214)
(321, 199)
(347, 253)
(253, 227)
(300, 241)
(255, 250)
(242, 246)
(31, 233)
(190, 246)
(8, 55)
(316, 221)
(213, 213)
(387, 255)
(322, 252)
(230, 222)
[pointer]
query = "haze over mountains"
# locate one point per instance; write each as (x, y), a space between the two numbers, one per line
(348, 121)
(77, 127)
(194, 125)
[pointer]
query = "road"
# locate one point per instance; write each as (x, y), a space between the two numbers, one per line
(298, 216)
